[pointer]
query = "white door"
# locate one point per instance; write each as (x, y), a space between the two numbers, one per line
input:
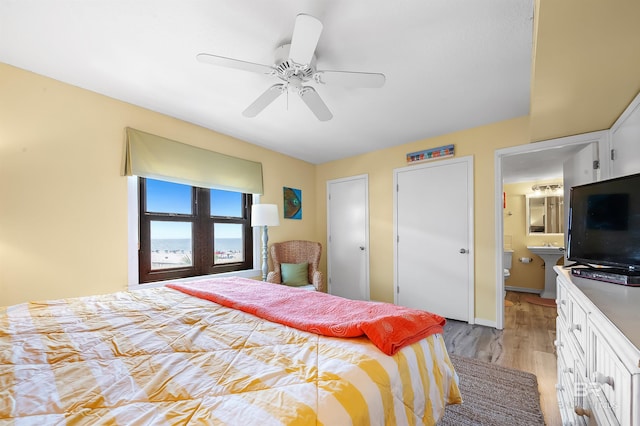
(434, 237)
(348, 237)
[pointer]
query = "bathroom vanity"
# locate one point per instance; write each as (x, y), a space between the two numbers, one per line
(597, 345)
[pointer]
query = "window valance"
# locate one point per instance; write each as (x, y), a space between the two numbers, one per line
(156, 157)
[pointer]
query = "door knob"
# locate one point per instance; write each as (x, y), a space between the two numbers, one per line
(361, 247)
(463, 251)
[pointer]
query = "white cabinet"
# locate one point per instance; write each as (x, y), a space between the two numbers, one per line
(597, 342)
(625, 134)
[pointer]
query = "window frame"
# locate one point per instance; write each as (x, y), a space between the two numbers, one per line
(202, 238)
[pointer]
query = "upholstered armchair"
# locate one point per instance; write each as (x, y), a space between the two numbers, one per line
(297, 252)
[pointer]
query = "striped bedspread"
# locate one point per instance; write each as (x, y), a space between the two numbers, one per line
(159, 356)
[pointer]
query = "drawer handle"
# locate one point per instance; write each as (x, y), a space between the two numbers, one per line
(602, 379)
(568, 370)
(582, 411)
(574, 327)
(562, 302)
(559, 387)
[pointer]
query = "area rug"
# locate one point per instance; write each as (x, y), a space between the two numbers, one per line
(493, 396)
(537, 300)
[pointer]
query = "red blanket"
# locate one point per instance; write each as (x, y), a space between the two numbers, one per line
(388, 326)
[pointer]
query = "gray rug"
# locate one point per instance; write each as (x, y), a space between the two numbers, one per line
(493, 395)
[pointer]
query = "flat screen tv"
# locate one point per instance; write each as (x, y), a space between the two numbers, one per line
(604, 224)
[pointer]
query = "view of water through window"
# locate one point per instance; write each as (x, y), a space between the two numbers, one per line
(172, 240)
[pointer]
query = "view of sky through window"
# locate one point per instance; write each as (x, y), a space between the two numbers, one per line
(169, 197)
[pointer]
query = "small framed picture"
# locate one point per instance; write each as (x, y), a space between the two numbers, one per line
(292, 203)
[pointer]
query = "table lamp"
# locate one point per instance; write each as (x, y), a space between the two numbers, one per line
(264, 215)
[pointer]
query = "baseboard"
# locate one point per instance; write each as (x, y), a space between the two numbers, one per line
(486, 323)
(522, 289)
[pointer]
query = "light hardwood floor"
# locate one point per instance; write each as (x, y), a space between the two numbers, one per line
(526, 343)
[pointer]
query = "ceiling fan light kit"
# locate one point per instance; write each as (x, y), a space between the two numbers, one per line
(295, 66)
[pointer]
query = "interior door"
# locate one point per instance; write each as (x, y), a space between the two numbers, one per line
(348, 237)
(434, 237)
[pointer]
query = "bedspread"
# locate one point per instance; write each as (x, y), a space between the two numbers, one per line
(159, 356)
(390, 327)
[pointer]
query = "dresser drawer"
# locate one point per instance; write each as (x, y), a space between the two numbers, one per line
(571, 377)
(562, 301)
(572, 313)
(568, 351)
(566, 405)
(577, 326)
(610, 380)
(600, 413)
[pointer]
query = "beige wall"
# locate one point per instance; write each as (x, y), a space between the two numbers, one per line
(63, 214)
(480, 143)
(528, 276)
(63, 201)
(586, 65)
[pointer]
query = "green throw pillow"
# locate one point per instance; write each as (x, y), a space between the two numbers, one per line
(294, 274)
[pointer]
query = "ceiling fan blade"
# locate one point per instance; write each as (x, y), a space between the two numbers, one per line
(234, 63)
(315, 103)
(264, 100)
(351, 79)
(306, 34)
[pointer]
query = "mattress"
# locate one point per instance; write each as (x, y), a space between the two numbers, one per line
(159, 356)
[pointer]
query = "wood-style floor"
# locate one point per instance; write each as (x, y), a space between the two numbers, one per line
(526, 343)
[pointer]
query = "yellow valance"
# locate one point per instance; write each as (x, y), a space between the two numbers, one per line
(156, 157)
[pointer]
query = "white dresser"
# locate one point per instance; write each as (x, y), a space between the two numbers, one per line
(598, 336)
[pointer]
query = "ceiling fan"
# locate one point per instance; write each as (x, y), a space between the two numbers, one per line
(295, 66)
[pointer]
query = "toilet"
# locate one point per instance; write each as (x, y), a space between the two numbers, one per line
(507, 258)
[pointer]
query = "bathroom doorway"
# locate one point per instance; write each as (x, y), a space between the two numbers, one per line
(554, 159)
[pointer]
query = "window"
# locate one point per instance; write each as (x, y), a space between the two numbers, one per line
(188, 231)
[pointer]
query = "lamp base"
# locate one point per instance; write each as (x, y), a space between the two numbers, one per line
(265, 240)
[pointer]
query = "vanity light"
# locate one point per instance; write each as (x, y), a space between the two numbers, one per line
(553, 187)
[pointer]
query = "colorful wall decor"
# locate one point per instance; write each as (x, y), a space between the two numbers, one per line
(292, 203)
(430, 154)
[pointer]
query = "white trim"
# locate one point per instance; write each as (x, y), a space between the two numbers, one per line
(470, 218)
(522, 289)
(133, 232)
(601, 137)
(472, 244)
(249, 273)
(133, 282)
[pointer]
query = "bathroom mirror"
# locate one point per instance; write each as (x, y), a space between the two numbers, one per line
(545, 214)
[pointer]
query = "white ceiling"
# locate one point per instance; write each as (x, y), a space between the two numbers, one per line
(541, 165)
(450, 64)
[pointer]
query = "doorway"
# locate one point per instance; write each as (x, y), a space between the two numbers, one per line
(538, 160)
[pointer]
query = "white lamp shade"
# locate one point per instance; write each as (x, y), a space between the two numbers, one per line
(264, 215)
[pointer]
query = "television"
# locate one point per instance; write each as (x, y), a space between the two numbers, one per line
(604, 224)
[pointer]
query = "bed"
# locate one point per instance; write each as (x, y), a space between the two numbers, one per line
(163, 356)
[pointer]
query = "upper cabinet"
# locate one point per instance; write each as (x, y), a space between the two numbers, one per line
(625, 137)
